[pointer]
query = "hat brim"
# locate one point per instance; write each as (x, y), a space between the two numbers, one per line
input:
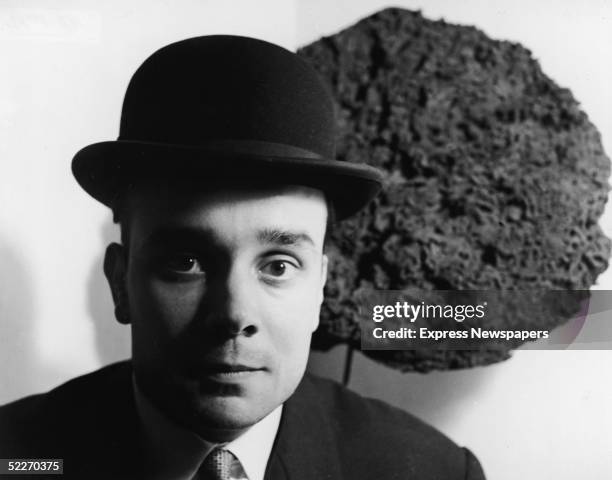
(105, 169)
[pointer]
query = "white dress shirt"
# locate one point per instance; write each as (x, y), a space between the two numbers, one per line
(176, 453)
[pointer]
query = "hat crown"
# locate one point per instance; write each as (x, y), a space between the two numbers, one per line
(229, 88)
(226, 107)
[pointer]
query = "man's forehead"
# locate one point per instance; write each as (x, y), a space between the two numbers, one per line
(184, 192)
(249, 209)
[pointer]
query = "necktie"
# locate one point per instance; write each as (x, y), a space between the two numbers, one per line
(220, 465)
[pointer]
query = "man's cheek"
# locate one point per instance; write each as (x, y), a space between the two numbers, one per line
(310, 306)
(171, 307)
(293, 322)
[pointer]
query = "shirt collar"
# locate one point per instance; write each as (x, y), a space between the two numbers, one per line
(175, 453)
(253, 447)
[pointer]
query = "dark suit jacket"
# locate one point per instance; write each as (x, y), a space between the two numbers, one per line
(326, 432)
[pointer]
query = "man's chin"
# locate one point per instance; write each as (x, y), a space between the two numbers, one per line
(222, 418)
(215, 408)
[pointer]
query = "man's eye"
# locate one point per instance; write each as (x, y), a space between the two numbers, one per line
(279, 269)
(183, 265)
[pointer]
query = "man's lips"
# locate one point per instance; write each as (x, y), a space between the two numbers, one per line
(229, 368)
(224, 372)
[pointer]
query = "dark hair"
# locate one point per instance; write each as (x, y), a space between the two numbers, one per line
(329, 224)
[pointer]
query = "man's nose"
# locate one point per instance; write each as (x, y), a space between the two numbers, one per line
(231, 304)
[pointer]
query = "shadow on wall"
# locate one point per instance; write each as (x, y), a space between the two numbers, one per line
(112, 340)
(435, 397)
(21, 364)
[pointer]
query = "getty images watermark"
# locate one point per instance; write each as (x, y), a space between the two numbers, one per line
(477, 319)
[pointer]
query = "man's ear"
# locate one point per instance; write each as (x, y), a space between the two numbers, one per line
(324, 263)
(323, 279)
(115, 269)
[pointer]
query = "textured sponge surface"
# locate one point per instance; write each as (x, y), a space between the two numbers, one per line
(495, 178)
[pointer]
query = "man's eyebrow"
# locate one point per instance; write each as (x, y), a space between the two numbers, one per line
(283, 237)
(171, 235)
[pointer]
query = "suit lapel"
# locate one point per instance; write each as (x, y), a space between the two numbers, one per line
(115, 429)
(305, 447)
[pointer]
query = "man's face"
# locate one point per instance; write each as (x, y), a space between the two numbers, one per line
(224, 291)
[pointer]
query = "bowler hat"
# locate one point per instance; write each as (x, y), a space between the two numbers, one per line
(226, 107)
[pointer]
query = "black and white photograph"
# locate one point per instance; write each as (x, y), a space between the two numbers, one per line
(305, 239)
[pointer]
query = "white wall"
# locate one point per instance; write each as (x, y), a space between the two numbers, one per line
(63, 71)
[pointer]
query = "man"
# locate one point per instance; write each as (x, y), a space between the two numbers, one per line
(224, 181)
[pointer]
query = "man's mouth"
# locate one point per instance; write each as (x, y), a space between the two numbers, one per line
(228, 372)
(230, 368)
